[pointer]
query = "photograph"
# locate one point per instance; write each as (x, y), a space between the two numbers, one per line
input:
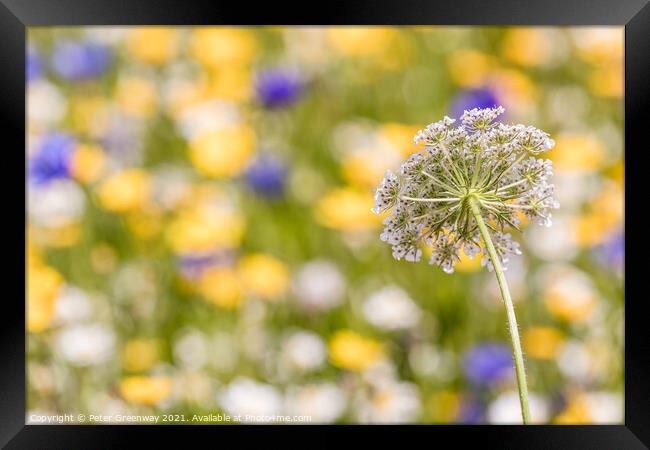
(324, 225)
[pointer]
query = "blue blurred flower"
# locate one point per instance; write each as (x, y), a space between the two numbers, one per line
(473, 98)
(488, 364)
(34, 67)
(78, 61)
(612, 252)
(471, 411)
(278, 87)
(267, 176)
(192, 265)
(52, 158)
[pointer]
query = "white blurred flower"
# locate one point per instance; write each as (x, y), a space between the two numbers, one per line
(575, 188)
(307, 45)
(42, 378)
(170, 186)
(45, 104)
(427, 361)
(208, 116)
(394, 402)
(85, 345)
(251, 400)
(566, 106)
(380, 373)
(223, 352)
(322, 403)
(72, 305)
(190, 349)
(304, 350)
(553, 244)
(58, 203)
(108, 405)
(517, 272)
(113, 36)
(574, 360)
(391, 308)
(605, 407)
(568, 292)
(195, 387)
(319, 285)
(506, 409)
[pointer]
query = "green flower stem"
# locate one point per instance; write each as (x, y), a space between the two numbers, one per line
(510, 310)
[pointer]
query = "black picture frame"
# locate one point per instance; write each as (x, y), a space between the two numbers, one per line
(16, 15)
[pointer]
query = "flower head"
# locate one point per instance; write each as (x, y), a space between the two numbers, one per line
(52, 158)
(279, 87)
(79, 61)
(481, 166)
(488, 364)
(34, 65)
(473, 98)
(267, 176)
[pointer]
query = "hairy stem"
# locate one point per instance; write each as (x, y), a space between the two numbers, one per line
(510, 310)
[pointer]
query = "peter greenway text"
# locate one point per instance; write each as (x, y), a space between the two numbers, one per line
(50, 419)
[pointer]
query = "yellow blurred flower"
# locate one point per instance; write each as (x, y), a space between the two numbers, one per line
(221, 286)
(514, 88)
(468, 265)
(600, 46)
(570, 300)
(146, 222)
(89, 114)
(401, 137)
(607, 81)
(140, 355)
(542, 342)
(526, 46)
(204, 227)
(591, 229)
(224, 152)
(576, 412)
(397, 54)
(103, 258)
(231, 83)
(32, 252)
(465, 264)
(62, 236)
(136, 96)
(43, 284)
(469, 68)
(357, 41)
(124, 191)
(577, 152)
(364, 168)
(604, 217)
(617, 173)
(222, 47)
(143, 390)
(444, 406)
(184, 95)
(153, 45)
(264, 275)
(88, 163)
(346, 209)
(351, 351)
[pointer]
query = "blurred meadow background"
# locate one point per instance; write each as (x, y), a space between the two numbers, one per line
(200, 239)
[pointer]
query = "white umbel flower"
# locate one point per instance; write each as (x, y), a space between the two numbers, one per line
(481, 166)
